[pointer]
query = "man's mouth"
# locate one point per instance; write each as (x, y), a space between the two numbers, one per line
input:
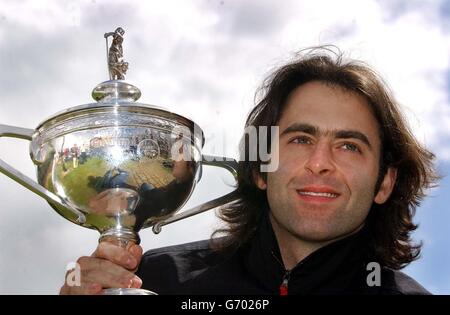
(318, 194)
(312, 193)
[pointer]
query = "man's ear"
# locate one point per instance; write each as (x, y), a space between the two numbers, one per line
(259, 181)
(387, 185)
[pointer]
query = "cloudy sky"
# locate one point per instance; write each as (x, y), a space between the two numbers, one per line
(204, 59)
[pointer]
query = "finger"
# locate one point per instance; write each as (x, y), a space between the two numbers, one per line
(109, 280)
(102, 272)
(88, 264)
(116, 254)
(136, 251)
(136, 282)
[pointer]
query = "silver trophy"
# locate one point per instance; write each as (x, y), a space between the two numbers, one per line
(117, 166)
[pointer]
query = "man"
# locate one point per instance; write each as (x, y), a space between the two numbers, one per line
(339, 205)
(75, 152)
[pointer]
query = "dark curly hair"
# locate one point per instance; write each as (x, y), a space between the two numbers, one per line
(390, 224)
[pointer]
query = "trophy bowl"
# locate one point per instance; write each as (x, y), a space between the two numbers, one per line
(116, 165)
(124, 165)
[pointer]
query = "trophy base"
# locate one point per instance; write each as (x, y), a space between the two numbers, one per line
(127, 291)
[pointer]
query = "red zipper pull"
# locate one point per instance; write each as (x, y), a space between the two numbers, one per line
(284, 284)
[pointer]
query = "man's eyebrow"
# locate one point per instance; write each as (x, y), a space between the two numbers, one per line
(347, 134)
(340, 134)
(301, 127)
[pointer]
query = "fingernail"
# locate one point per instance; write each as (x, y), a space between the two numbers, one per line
(137, 282)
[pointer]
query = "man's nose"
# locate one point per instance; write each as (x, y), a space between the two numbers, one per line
(320, 160)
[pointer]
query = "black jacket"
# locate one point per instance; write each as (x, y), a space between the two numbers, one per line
(338, 268)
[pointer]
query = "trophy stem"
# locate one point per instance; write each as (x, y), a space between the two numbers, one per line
(120, 236)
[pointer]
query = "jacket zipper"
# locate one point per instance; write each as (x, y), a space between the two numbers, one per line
(283, 289)
(284, 283)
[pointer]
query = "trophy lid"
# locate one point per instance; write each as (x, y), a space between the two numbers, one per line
(115, 92)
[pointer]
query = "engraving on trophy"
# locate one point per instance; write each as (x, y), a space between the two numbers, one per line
(148, 148)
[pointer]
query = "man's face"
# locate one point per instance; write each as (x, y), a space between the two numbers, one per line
(181, 171)
(329, 152)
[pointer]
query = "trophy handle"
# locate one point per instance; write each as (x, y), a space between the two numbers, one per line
(226, 163)
(8, 170)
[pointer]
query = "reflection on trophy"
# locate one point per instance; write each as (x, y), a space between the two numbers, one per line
(116, 165)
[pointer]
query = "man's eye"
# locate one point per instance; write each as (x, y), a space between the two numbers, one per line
(351, 147)
(301, 140)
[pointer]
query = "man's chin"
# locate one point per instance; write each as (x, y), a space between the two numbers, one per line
(318, 236)
(323, 234)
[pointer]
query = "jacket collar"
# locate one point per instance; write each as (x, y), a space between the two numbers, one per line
(338, 267)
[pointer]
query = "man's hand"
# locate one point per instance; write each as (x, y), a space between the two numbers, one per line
(110, 266)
